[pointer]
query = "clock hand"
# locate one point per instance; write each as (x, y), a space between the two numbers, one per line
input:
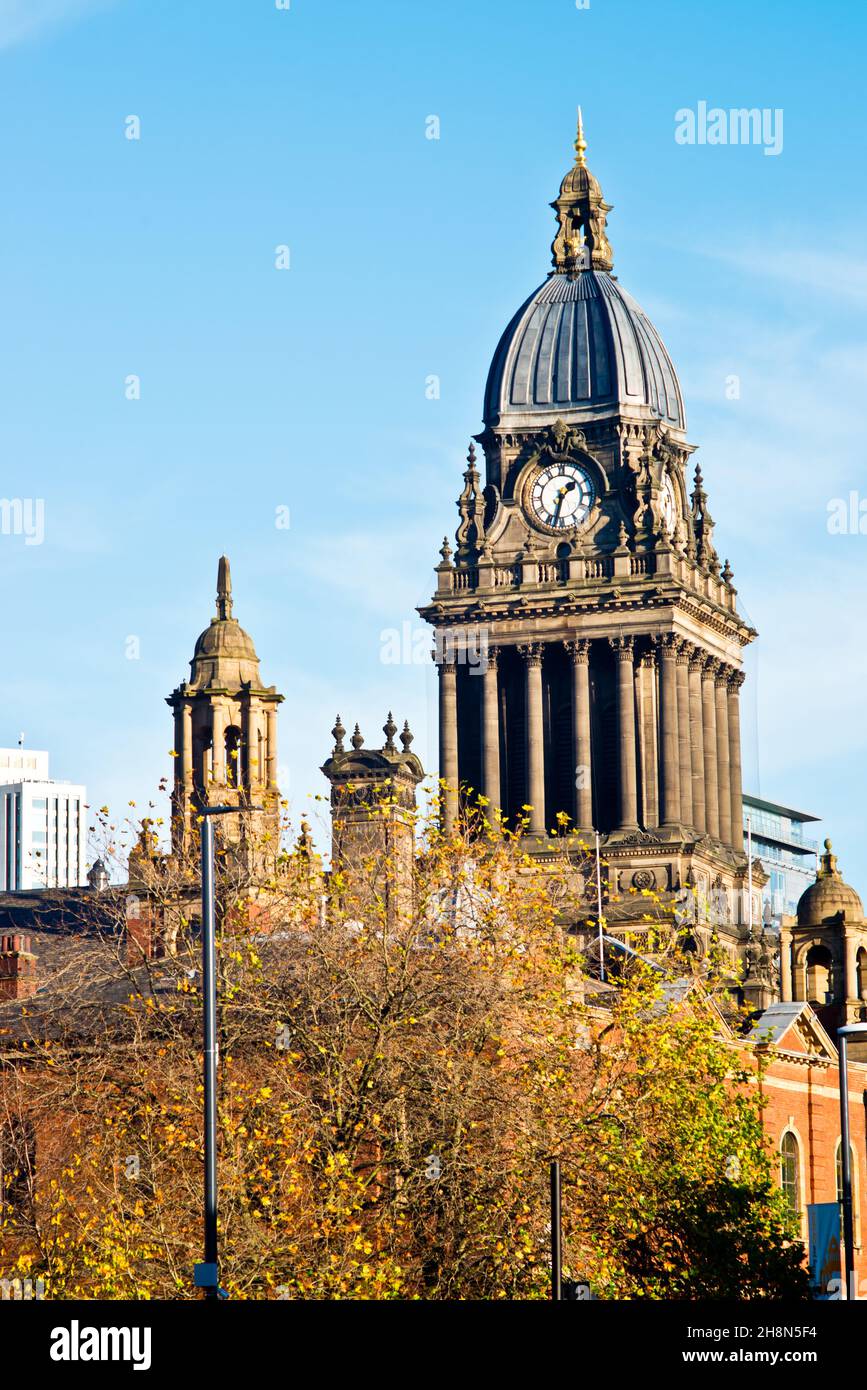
(567, 487)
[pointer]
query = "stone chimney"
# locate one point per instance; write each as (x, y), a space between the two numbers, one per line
(17, 968)
(145, 938)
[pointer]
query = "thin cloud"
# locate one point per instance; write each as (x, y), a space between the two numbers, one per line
(22, 20)
(840, 275)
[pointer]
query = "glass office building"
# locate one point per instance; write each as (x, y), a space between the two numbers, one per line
(788, 855)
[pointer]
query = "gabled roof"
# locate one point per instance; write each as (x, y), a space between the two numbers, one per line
(793, 1027)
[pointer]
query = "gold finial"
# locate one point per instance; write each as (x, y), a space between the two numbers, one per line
(580, 142)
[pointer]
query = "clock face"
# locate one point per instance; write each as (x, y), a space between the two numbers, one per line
(669, 505)
(562, 496)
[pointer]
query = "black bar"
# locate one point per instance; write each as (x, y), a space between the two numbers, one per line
(556, 1234)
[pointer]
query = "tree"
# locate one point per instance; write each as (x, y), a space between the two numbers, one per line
(392, 1087)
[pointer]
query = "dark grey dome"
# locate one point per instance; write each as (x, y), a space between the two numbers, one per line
(581, 347)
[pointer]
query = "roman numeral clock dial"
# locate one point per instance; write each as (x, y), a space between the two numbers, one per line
(561, 496)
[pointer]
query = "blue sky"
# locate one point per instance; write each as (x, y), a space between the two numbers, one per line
(305, 388)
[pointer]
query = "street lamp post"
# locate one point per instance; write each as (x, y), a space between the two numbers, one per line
(852, 1030)
(206, 1274)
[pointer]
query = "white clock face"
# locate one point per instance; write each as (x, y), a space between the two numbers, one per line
(562, 496)
(669, 505)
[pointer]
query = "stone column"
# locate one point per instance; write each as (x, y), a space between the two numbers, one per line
(624, 649)
(785, 965)
(649, 774)
(254, 771)
(186, 748)
(799, 975)
(448, 739)
(722, 753)
(271, 718)
(535, 735)
(736, 680)
(670, 770)
(491, 735)
(218, 745)
(708, 715)
(850, 977)
(684, 751)
(579, 650)
(696, 739)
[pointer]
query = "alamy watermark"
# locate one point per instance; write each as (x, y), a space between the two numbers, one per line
(23, 516)
(460, 646)
(22, 1290)
(715, 125)
(847, 516)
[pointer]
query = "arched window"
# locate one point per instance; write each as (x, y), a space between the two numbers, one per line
(861, 968)
(790, 1172)
(856, 1205)
(819, 975)
(233, 757)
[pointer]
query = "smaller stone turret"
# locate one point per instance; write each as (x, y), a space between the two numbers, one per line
(373, 801)
(226, 739)
(581, 242)
(823, 953)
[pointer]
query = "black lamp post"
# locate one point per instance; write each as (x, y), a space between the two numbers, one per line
(206, 1274)
(852, 1030)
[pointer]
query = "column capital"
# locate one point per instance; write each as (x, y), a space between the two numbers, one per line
(722, 674)
(667, 645)
(579, 649)
(532, 652)
(492, 657)
(735, 679)
(623, 647)
(647, 660)
(710, 666)
(445, 661)
(697, 658)
(684, 652)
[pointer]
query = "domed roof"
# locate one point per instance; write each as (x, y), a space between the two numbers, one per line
(224, 653)
(825, 899)
(580, 347)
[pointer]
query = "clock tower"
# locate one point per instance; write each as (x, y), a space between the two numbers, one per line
(588, 639)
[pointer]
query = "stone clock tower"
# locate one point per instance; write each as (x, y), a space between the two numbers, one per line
(226, 740)
(588, 640)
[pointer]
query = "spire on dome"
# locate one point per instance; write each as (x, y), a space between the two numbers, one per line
(224, 590)
(581, 242)
(829, 863)
(580, 142)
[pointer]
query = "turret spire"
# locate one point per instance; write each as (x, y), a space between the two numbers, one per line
(224, 589)
(580, 142)
(581, 242)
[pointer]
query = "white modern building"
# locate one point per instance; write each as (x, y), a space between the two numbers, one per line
(43, 825)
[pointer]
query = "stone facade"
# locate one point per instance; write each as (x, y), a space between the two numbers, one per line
(588, 639)
(373, 802)
(225, 750)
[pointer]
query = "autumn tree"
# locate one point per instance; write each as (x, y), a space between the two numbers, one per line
(392, 1088)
